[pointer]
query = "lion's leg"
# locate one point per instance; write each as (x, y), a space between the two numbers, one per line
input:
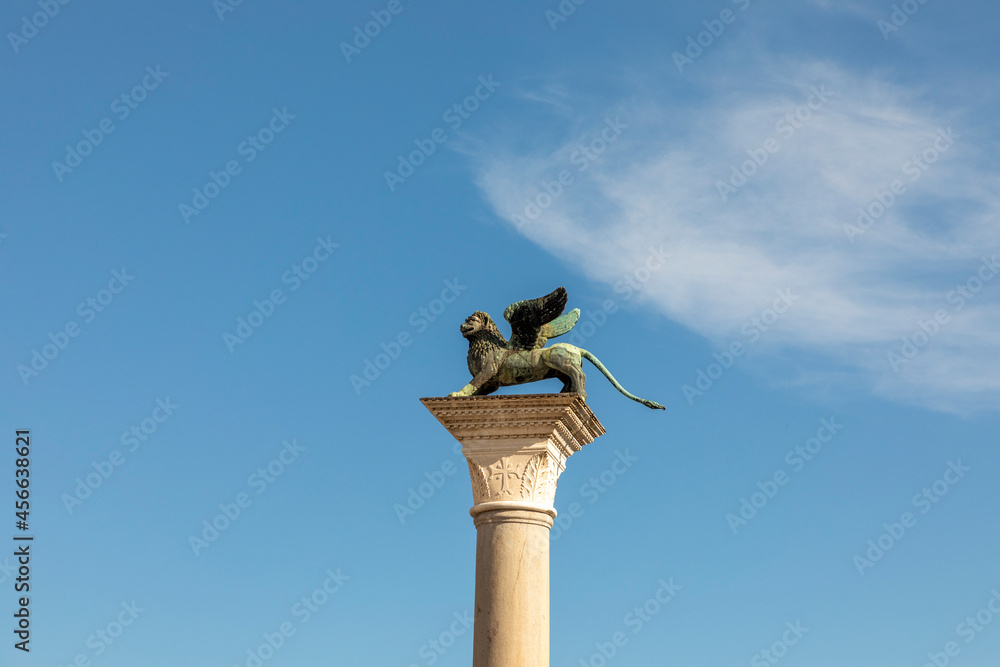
(487, 389)
(566, 360)
(567, 381)
(481, 384)
(581, 383)
(579, 380)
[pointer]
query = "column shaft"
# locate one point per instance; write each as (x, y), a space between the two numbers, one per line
(512, 589)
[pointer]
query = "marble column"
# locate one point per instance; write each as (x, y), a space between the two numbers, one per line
(516, 447)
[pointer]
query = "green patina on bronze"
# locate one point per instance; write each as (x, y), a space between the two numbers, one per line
(495, 362)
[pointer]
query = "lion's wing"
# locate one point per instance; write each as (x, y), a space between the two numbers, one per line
(533, 320)
(559, 326)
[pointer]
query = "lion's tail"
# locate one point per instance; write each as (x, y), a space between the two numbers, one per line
(601, 367)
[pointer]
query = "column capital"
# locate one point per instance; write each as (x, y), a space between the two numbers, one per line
(516, 445)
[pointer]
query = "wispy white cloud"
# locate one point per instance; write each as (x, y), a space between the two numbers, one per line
(788, 226)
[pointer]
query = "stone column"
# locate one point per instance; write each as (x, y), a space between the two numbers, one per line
(516, 447)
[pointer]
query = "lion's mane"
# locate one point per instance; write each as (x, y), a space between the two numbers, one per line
(484, 341)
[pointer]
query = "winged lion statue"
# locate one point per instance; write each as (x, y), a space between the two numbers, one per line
(496, 362)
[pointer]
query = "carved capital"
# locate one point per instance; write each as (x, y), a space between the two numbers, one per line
(517, 446)
(521, 476)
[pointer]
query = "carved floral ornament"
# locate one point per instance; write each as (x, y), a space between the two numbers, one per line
(523, 477)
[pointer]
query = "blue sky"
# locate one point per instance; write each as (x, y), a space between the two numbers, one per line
(779, 219)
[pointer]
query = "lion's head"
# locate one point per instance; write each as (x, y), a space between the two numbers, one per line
(478, 323)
